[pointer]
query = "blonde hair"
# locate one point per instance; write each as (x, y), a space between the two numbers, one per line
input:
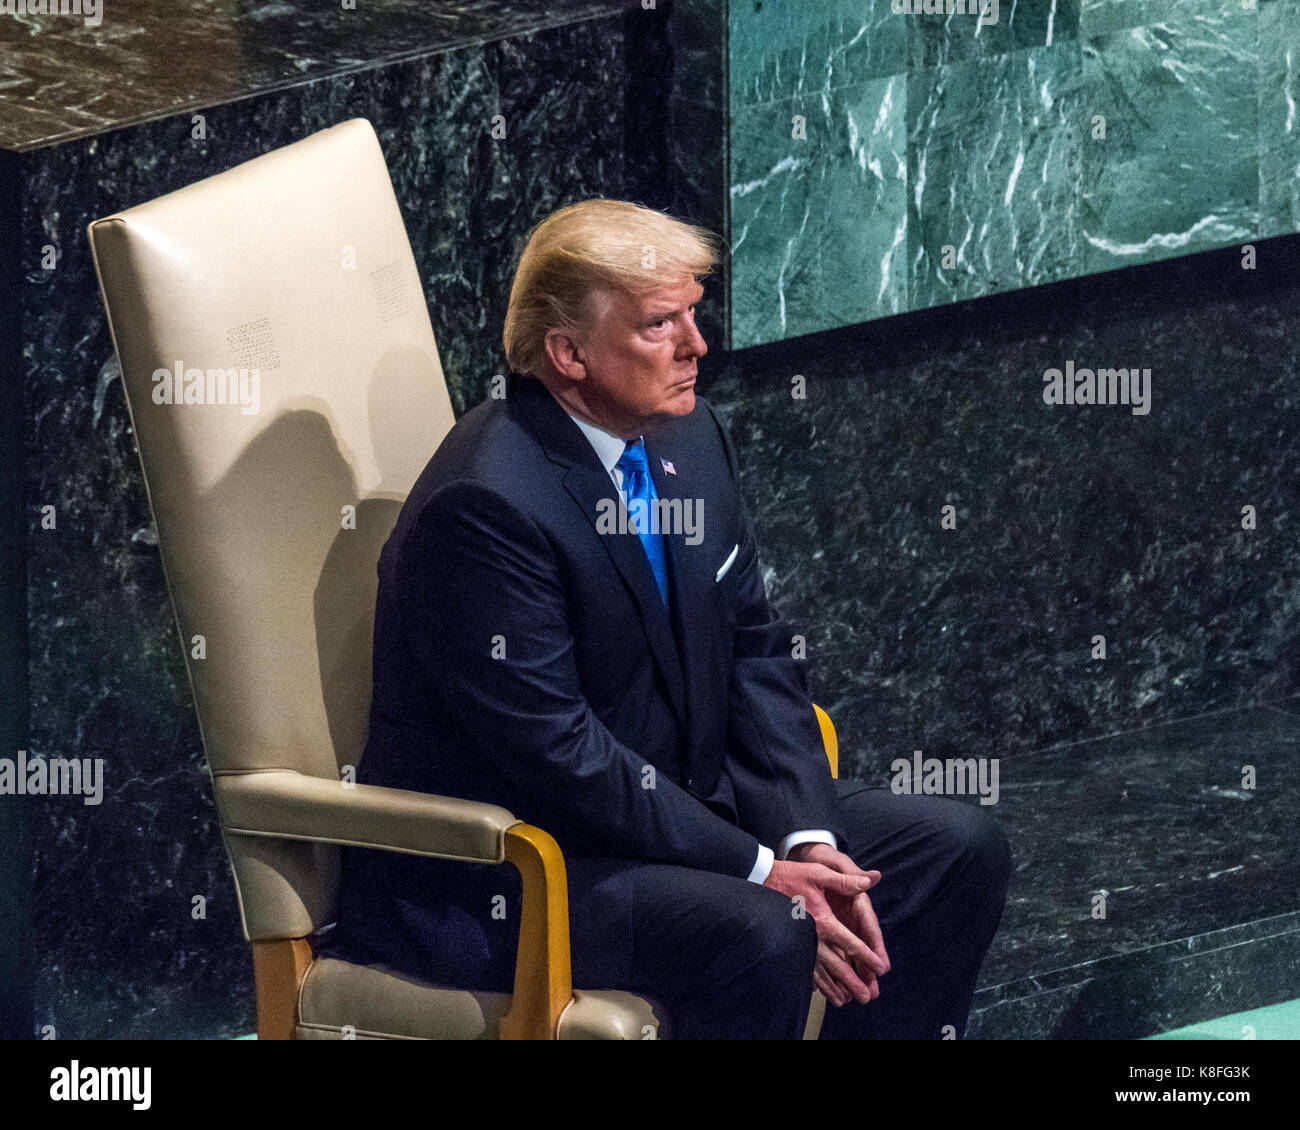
(595, 243)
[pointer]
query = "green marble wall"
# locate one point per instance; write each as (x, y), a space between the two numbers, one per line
(944, 159)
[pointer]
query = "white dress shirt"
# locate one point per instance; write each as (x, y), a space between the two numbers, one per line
(609, 450)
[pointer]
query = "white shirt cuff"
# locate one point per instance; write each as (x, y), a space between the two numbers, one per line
(811, 836)
(763, 865)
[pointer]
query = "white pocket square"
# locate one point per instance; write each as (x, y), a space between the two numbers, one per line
(727, 564)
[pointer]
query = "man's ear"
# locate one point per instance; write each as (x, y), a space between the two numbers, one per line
(565, 354)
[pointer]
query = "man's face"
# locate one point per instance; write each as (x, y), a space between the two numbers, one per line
(639, 355)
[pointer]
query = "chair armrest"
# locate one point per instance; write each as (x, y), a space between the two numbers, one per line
(284, 804)
(288, 805)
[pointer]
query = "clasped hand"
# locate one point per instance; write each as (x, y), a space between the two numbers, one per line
(850, 948)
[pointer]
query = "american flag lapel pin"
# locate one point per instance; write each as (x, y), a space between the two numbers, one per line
(669, 469)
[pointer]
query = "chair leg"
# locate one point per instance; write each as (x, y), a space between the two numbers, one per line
(816, 1014)
(279, 966)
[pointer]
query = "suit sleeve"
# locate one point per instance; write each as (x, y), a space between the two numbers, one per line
(779, 770)
(489, 621)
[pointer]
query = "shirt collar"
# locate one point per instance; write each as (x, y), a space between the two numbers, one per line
(609, 447)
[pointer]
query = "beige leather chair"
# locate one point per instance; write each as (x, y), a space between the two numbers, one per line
(272, 497)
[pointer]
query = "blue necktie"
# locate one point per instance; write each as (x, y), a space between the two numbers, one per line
(639, 486)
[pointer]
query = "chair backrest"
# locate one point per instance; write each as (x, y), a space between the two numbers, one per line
(285, 391)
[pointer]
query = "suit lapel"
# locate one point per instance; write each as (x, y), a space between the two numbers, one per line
(590, 486)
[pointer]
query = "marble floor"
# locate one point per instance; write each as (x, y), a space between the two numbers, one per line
(1200, 875)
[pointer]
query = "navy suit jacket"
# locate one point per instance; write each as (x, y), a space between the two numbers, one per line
(525, 658)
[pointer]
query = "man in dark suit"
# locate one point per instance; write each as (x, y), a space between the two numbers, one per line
(572, 624)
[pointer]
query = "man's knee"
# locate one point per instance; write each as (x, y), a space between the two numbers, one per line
(753, 977)
(781, 942)
(979, 842)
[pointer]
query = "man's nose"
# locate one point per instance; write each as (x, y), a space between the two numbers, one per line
(693, 342)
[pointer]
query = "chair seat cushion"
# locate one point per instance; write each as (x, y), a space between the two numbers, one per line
(378, 1003)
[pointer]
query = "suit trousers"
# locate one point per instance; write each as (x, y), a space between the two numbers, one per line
(727, 959)
(724, 958)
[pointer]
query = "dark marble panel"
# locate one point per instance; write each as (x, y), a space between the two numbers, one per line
(699, 196)
(63, 77)
(15, 839)
(1071, 520)
(121, 954)
(648, 74)
(699, 173)
(698, 33)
